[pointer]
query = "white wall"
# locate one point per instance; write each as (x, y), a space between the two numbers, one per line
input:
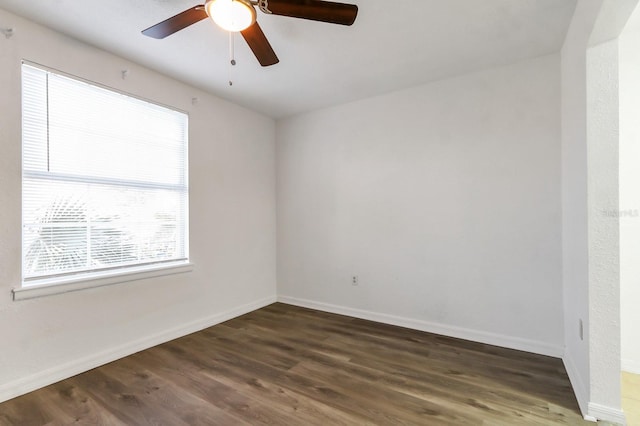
(232, 177)
(575, 265)
(629, 194)
(604, 235)
(603, 159)
(591, 206)
(443, 199)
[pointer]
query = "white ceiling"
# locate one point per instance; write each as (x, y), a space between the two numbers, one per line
(394, 44)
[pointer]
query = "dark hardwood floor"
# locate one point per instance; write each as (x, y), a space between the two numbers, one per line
(285, 365)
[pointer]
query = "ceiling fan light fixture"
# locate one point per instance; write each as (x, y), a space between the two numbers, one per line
(231, 15)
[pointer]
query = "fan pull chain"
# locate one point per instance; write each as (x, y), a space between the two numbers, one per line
(232, 59)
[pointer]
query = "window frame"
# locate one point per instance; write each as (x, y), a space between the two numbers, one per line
(56, 284)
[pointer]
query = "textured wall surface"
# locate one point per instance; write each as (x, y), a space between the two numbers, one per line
(604, 259)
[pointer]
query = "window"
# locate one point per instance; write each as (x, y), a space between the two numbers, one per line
(104, 181)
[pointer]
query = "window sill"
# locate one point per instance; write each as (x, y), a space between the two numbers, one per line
(50, 287)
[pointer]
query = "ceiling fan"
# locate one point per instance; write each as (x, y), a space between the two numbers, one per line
(240, 16)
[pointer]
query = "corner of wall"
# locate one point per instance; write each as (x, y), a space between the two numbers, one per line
(601, 412)
(494, 339)
(580, 388)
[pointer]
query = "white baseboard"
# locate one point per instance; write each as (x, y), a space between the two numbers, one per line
(630, 366)
(608, 414)
(55, 374)
(577, 383)
(431, 327)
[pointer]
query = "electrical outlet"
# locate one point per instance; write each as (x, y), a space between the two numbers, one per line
(354, 280)
(581, 329)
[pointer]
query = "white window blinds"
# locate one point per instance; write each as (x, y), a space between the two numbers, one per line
(104, 181)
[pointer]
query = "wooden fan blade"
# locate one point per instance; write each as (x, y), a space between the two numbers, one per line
(176, 23)
(260, 46)
(315, 10)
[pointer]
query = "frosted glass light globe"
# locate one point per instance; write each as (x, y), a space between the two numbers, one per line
(231, 15)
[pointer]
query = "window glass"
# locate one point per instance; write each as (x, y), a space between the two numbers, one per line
(104, 179)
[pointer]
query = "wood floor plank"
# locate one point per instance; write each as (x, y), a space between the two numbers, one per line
(24, 411)
(232, 365)
(286, 365)
(232, 360)
(184, 403)
(127, 404)
(66, 401)
(260, 389)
